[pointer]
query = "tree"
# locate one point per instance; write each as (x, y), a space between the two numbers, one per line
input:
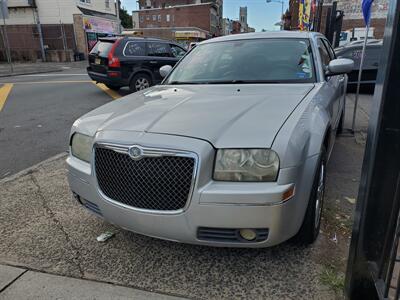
(125, 17)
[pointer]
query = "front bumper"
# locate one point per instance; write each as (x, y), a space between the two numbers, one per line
(213, 204)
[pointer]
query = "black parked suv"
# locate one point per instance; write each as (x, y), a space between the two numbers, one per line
(133, 62)
(371, 63)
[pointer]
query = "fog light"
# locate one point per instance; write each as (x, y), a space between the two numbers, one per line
(248, 234)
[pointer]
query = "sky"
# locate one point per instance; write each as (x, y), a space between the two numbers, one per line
(260, 14)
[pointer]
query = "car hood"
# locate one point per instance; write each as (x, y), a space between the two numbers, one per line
(224, 115)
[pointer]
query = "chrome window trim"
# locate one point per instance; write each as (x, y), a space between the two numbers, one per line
(147, 152)
(126, 45)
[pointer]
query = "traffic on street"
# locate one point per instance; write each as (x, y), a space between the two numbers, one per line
(37, 112)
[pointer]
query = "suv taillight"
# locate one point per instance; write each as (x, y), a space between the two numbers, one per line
(113, 61)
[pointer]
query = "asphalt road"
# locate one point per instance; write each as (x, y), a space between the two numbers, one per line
(37, 111)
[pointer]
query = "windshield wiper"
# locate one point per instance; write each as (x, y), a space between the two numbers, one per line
(242, 81)
(234, 81)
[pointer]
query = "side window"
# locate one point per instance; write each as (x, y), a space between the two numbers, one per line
(158, 49)
(177, 52)
(135, 49)
(330, 49)
(325, 57)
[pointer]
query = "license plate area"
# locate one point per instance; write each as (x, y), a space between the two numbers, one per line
(97, 61)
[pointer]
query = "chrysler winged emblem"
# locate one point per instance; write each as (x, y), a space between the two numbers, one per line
(136, 153)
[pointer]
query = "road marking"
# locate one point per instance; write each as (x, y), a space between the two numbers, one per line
(111, 93)
(52, 74)
(4, 92)
(54, 81)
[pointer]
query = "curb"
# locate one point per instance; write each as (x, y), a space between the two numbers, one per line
(32, 168)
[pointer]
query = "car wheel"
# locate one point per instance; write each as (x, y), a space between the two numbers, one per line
(140, 82)
(341, 124)
(309, 230)
(113, 87)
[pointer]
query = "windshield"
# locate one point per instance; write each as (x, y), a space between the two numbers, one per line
(246, 61)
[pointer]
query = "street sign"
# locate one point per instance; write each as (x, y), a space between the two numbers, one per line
(3, 9)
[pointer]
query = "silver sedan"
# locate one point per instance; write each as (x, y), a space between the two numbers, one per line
(230, 150)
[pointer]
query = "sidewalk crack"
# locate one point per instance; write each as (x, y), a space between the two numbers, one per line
(77, 255)
(12, 281)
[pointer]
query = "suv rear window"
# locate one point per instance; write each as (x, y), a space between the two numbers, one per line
(102, 48)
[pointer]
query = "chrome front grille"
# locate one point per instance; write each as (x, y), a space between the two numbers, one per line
(158, 181)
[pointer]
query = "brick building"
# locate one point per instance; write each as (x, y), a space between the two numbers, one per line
(199, 19)
(291, 16)
(67, 27)
(352, 15)
(236, 27)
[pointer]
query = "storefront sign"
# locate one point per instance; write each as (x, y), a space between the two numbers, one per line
(190, 34)
(304, 14)
(99, 25)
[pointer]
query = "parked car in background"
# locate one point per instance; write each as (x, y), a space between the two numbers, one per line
(231, 150)
(371, 63)
(131, 61)
(355, 34)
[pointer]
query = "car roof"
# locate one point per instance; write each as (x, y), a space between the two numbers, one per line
(151, 39)
(264, 35)
(114, 38)
(111, 39)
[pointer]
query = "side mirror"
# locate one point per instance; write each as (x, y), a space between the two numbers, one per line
(164, 70)
(340, 66)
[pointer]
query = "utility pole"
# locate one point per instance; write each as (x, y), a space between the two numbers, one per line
(39, 28)
(4, 14)
(282, 4)
(118, 19)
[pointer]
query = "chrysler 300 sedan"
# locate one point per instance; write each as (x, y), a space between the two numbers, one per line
(230, 150)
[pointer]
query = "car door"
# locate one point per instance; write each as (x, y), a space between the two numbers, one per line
(159, 54)
(133, 58)
(341, 81)
(334, 84)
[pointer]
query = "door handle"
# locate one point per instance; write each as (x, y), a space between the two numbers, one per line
(153, 62)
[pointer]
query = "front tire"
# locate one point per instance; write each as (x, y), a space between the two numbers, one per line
(309, 230)
(140, 82)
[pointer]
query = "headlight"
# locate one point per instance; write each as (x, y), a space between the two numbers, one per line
(246, 165)
(81, 146)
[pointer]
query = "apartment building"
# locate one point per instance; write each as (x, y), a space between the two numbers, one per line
(182, 20)
(227, 26)
(61, 28)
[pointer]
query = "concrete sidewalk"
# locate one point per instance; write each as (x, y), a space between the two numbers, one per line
(37, 68)
(18, 283)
